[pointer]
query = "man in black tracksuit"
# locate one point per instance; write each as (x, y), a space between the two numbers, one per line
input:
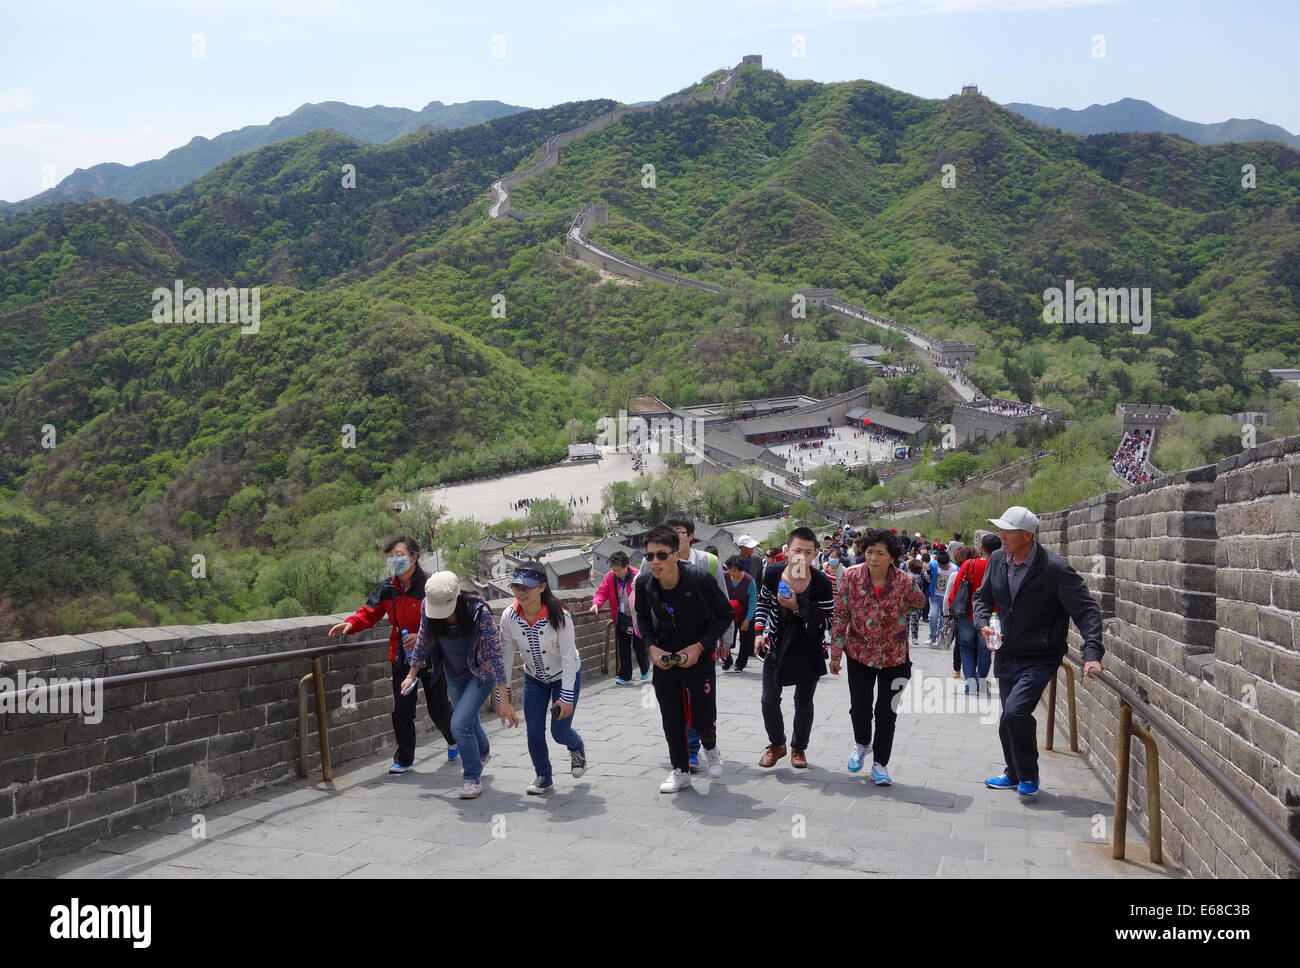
(678, 608)
(1036, 593)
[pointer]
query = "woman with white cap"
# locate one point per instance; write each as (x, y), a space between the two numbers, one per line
(459, 637)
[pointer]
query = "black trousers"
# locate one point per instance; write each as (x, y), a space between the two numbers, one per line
(773, 722)
(626, 641)
(687, 702)
(435, 696)
(889, 684)
(742, 645)
(1021, 684)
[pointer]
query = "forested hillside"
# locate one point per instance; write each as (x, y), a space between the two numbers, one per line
(377, 312)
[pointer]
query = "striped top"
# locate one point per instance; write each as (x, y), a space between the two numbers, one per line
(547, 653)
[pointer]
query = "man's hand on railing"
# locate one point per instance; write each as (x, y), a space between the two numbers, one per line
(1092, 668)
(343, 628)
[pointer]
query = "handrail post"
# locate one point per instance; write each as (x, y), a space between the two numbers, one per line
(322, 720)
(1153, 793)
(1121, 780)
(604, 655)
(1074, 719)
(1051, 712)
(304, 765)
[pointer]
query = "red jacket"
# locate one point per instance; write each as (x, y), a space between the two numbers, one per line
(402, 608)
(974, 569)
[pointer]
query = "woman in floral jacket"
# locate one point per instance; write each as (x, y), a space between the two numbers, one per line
(872, 601)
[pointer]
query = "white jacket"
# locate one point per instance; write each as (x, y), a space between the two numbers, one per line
(547, 654)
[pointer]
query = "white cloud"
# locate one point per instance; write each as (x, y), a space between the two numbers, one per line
(15, 99)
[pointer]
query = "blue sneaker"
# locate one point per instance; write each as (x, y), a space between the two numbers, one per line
(855, 758)
(622, 682)
(1027, 788)
(453, 752)
(1000, 782)
(398, 768)
(695, 762)
(645, 676)
(879, 775)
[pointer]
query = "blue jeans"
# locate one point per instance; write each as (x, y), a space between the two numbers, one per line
(936, 615)
(975, 658)
(538, 698)
(467, 697)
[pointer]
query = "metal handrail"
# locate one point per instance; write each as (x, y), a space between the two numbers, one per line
(317, 676)
(1132, 702)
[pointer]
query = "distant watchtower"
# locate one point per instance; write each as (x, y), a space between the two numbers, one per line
(755, 59)
(970, 89)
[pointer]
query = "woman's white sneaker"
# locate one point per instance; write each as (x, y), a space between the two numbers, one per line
(471, 789)
(714, 757)
(677, 780)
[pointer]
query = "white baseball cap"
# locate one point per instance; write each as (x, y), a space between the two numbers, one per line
(440, 594)
(745, 541)
(1016, 518)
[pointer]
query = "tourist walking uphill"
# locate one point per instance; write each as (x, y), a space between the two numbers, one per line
(742, 591)
(460, 639)
(398, 599)
(796, 606)
(616, 588)
(975, 659)
(540, 630)
(1036, 593)
(870, 630)
(681, 612)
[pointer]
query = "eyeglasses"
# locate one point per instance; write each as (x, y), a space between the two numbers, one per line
(660, 555)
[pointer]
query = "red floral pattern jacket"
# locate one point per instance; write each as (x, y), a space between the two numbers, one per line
(872, 628)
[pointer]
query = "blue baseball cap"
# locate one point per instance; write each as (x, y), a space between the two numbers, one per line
(528, 576)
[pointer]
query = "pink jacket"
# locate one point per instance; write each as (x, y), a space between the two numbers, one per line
(607, 593)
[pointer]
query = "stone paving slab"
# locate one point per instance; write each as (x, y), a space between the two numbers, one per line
(937, 820)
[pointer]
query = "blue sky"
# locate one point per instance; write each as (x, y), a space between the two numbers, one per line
(83, 83)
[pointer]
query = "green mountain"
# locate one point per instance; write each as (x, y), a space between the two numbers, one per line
(1130, 114)
(377, 312)
(180, 166)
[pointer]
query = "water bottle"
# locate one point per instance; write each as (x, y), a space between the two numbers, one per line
(408, 652)
(783, 590)
(995, 640)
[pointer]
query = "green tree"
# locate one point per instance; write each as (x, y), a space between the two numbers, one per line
(549, 515)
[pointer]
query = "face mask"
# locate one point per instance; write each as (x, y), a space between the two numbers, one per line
(397, 565)
(833, 562)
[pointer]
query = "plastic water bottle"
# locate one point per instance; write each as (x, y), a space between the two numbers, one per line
(784, 590)
(995, 640)
(408, 652)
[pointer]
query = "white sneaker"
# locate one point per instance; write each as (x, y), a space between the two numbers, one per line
(714, 756)
(470, 790)
(677, 780)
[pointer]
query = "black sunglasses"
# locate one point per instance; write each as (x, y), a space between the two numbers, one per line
(660, 555)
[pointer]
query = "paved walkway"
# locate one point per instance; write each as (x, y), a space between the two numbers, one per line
(937, 820)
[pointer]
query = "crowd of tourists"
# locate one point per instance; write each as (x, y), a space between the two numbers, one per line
(853, 601)
(1130, 460)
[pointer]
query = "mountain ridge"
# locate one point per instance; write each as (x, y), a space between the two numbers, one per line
(377, 124)
(1133, 115)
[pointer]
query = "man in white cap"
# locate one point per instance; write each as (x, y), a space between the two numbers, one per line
(1036, 593)
(750, 562)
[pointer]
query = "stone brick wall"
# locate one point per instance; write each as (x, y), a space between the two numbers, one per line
(167, 748)
(1196, 575)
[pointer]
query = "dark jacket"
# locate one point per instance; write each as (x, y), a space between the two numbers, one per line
(401, 607)
(701, 613)
(796, 637)
(1036, 625)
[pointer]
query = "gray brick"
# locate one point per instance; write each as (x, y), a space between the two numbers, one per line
(43, 793)
(69, 760)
